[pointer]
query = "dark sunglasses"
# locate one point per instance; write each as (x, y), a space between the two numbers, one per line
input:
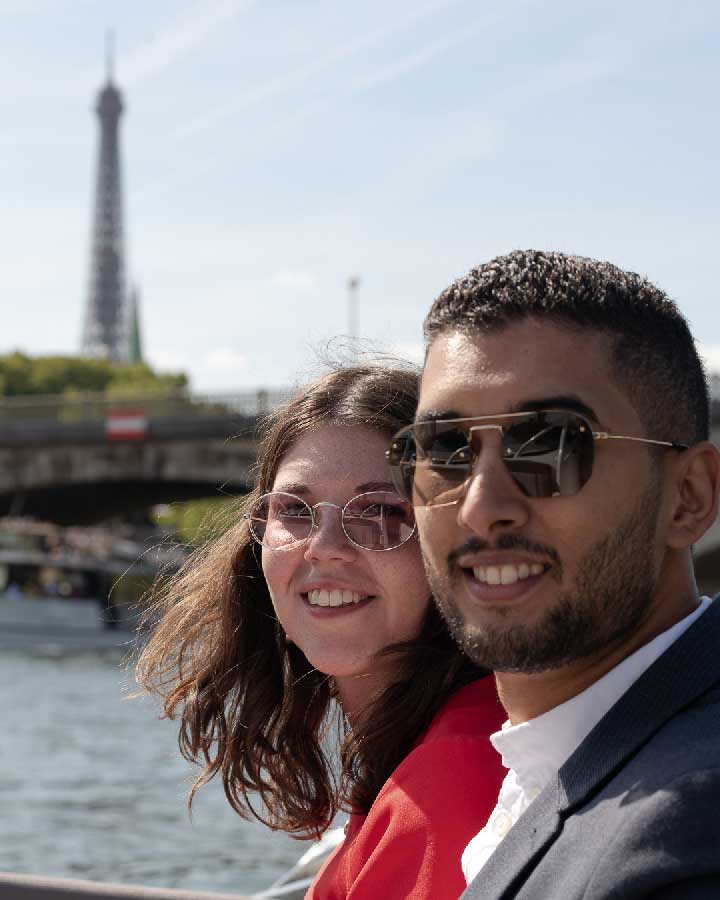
(549, 453)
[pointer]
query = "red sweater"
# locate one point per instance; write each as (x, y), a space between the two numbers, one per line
(409, 845)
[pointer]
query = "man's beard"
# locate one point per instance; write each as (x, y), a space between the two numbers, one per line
(610, 599)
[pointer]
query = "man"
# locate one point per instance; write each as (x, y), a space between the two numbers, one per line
(561, 472)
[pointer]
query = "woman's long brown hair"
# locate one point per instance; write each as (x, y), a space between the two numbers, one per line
(250, 705)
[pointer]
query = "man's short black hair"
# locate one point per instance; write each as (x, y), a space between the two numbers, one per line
(652, 348)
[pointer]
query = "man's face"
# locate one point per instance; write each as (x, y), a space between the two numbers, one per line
(577, 573)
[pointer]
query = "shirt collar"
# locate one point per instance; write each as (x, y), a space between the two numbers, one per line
(535, 750)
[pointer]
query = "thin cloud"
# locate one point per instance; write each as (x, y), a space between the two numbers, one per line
(190, 29)
(225, 360)
(284, 83)
(558, 78)
(295, 280)
(468, 138)
(427, 54)
(29, 7)
(257, 143)
(165, 360)
(710, 355)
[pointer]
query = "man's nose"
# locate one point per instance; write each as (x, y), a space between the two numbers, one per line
(492, 502)
(328, 539)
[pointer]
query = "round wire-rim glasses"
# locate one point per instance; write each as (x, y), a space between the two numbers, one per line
(374, 520)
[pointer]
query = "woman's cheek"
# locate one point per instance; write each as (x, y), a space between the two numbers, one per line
(277, 578)
(274, 569)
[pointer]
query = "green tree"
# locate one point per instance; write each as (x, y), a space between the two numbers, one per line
(16, 373)
(56, 374)
(139, 378)
(22, 374)
(198, 521)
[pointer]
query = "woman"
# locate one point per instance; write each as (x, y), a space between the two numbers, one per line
(316, 595)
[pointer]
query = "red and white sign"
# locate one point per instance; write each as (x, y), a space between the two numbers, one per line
(126, 425)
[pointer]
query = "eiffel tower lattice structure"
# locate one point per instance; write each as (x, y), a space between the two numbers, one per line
(106, 328)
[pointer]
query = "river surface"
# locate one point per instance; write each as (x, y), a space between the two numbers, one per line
(92, 785)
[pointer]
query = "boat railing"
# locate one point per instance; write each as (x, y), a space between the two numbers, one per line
(31, 887)
(292, 885)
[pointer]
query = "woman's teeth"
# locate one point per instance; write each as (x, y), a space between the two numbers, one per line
(333, 598)
(506, 574)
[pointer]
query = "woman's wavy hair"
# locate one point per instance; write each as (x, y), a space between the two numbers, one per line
(251, 707)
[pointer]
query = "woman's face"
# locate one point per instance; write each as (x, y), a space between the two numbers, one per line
(335, 464)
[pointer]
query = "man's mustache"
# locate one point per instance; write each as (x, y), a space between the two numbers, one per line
(504, 542)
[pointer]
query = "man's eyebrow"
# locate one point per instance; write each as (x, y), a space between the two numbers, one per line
(432, 415)
(569, 402)
(375, 486)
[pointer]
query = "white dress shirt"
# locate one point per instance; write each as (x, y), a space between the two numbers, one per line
(534, 751)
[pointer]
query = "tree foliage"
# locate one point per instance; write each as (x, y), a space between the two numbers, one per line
(21, 374)
(198, 521)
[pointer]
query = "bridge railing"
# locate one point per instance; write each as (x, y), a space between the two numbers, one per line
(88, 407)
(95, 407)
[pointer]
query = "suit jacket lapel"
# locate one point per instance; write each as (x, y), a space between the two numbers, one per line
(518, 851)
(688, 669)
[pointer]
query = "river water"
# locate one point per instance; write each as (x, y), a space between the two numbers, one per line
(92, 785)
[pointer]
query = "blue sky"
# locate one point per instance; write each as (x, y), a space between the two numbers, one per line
(274, 148)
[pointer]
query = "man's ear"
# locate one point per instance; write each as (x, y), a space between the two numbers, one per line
(697, 481)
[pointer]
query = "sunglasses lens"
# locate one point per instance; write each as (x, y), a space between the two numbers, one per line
(535, 479)
(401, 458)
(378, 520)
(549, 454)
(279, 520)
(430, 462)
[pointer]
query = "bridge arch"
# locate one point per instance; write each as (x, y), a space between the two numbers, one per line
(73, 468)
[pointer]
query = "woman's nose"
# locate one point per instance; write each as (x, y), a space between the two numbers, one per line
(328, 539)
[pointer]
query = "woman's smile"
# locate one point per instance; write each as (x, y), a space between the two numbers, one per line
(334, 597)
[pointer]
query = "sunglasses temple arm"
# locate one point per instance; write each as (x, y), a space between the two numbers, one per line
(561, 450)
(604, 436)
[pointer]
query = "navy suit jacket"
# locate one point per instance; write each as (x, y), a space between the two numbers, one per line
(635, 811)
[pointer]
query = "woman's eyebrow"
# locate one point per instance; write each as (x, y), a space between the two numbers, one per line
(302, 490)
(293, 487)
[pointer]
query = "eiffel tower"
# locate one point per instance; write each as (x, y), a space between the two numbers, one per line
(107, 328)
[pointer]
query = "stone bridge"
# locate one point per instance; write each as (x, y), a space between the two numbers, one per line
(82, 460)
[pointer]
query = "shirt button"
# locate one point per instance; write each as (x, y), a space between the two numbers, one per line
(533, 793)
(502, 823)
